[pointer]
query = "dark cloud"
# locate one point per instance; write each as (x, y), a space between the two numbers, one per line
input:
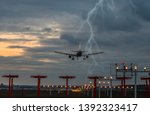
(70, 38)
(34, 8)
(47, 29)
(27, 28)
(14, 40)
(54, 42)
(119, 16)
(142, 9)
(18, 47)
(40, 49)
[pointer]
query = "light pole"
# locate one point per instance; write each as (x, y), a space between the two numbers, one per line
(110, 87)
(131, 70)
(135, 82)
(50, 90)
(67, 80)
(99, 89)
(11, 84)
(94, 87)
(147, 79)
(91, 86)
(38, 77)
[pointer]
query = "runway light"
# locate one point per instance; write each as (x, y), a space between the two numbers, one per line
(135, 67)
(117, 67)
(76, 90)
(145, 68)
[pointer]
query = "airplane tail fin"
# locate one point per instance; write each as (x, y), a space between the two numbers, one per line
(79, 48)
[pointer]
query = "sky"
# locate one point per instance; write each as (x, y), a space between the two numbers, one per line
(31, 30)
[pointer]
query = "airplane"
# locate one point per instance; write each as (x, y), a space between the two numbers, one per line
(78, 53)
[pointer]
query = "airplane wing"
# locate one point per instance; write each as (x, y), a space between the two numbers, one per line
(94, 53)
(69, 54)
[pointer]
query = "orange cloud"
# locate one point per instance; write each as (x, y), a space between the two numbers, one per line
(20, 39)
(17, 35)
(4, 45)
(4, 51)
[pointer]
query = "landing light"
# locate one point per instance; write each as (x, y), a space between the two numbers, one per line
(135, 67)
(145, 68)
(117, 68)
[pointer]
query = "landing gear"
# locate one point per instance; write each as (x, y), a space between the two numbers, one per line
(69, 56)
(85, 57)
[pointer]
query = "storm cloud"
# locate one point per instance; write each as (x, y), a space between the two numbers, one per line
(121, 29)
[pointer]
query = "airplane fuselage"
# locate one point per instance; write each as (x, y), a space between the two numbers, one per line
(79, 53)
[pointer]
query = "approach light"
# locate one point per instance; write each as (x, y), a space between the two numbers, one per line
(117, 67)
(145, 68)
(135, 67)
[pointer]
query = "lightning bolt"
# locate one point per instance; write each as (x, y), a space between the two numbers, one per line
(91, 43)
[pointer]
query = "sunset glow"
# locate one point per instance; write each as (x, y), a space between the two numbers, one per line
(14, 39)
